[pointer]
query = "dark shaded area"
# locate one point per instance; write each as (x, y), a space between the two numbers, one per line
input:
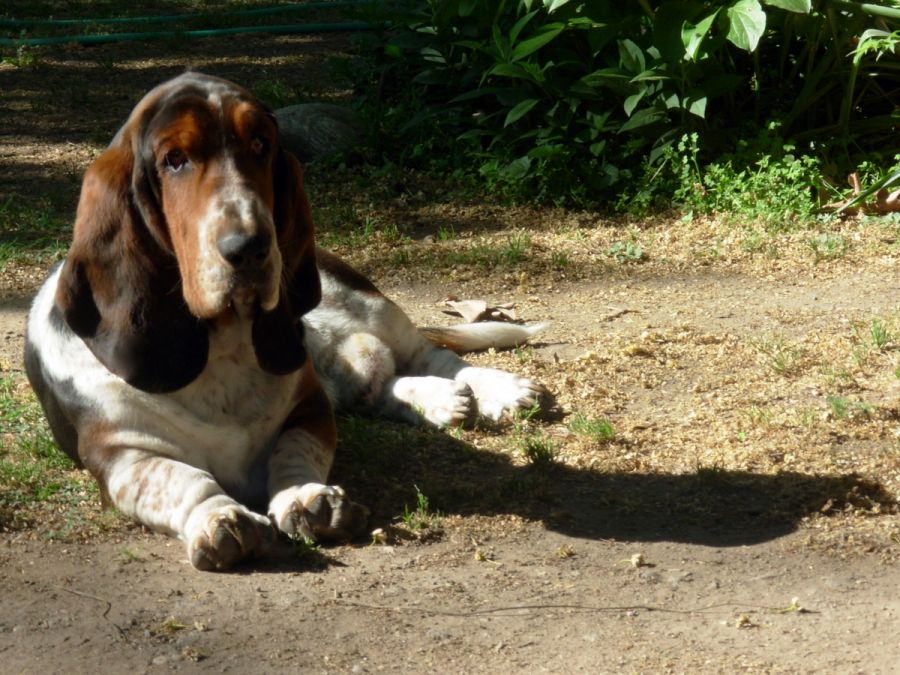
(382, 464)
(58, 97)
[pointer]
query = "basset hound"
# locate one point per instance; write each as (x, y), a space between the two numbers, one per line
(192, 346)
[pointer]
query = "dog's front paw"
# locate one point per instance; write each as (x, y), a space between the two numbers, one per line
(437, 400)
(499, 393)
(318, 512)
(219, 535)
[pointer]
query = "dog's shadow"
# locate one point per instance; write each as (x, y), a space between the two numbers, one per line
(390, 468)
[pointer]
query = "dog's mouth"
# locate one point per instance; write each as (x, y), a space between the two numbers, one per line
(262, 290)
(243, 297)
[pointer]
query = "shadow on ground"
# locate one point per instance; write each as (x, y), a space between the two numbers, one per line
(384, 464)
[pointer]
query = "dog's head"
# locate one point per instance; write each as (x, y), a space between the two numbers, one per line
(193, 212)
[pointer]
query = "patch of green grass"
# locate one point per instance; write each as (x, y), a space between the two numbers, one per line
(305, 548)
(837, 377)
(446, 233)
(525, 415)
(128, 556)
(626, 252)
(839, 406)
(881, 334)
(524, 353)
(31, 230)
(421, 517)
(807, 417)
(781, 356)
(25, 57)
(538, 449)
(34, 474)
(560, 260)
(400, 258)
(828, 246)
(764, 180)
(277, 93)
(878, 335)
(595, 427)
(535, 446)
(758, 240)
(759, 417)
(486, 254)
(341, 228)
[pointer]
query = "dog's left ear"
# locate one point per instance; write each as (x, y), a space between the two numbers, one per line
(278, 334)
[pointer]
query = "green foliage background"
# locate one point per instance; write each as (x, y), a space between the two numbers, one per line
(587, 102)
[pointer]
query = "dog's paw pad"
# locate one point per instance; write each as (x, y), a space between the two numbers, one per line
(499, 393)
(319, 512)
(228, 535)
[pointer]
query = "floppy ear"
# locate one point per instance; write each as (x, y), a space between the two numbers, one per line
(278, 334)
(120, 289)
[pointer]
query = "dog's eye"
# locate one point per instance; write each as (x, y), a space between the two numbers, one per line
(176, 160)
(259, 146)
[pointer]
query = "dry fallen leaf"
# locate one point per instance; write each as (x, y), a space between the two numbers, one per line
(473, 311)
(744, 621)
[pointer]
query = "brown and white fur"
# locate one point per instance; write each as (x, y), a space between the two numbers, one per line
(181, 351)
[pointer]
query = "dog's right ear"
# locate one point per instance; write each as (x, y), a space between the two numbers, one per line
(120, 290)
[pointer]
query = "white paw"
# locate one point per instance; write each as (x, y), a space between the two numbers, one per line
(318, 511)
(437, 400)
(220, 532)
(498, 393)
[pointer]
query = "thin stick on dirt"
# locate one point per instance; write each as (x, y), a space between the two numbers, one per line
(551, 606)
(105, 614)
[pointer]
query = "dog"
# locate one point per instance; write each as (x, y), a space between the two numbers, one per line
(192, 347)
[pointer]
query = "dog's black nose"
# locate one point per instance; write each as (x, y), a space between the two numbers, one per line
(244, 251)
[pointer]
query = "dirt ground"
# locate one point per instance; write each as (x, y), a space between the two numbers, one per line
(743, 518)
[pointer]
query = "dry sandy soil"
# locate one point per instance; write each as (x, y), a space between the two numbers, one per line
(743, 518)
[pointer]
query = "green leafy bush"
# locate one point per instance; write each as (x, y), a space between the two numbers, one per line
(570, 102)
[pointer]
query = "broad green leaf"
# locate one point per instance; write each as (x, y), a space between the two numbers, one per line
(519, 25)
(500, 42)
(746, 24)
(532, 44)
(597, 120)
(547, 151)
(692, 36)
(508, 70)
(632, 101)
(667, 27)
(520, 110)
(553, 5)
(799, 6)
(516, 169)
(431, 77)
(474, 45)
(475, 93)
(466, 7)
(640, 119)
(433, 55)
(597, 148)
(696, 106)
(609, 78)
(631, 57)
(652, 75)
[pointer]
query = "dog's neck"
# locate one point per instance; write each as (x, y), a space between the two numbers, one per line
(230, 333)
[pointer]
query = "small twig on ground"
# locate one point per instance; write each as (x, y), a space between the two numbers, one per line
(106, 612)
(616, 313)
(551, 606)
